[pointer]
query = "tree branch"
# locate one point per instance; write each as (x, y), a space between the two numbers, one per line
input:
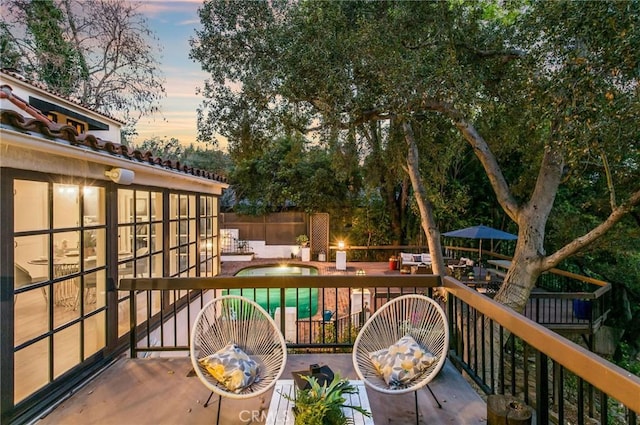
(484, 154)
(577, 244)
(607, 170)
(504, 55)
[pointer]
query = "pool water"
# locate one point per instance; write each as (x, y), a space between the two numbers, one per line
(269, 299)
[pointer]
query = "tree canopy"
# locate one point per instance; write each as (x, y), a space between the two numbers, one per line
(100, 52)
(544, 93)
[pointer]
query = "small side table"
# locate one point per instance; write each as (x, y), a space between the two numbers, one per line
(281, 413)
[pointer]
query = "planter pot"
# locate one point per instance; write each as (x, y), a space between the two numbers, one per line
(582, 309)
(305, 254)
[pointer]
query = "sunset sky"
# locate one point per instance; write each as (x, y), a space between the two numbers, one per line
(174, 22)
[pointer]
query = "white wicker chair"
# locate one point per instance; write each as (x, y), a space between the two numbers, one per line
(239, 320)
(415, 315)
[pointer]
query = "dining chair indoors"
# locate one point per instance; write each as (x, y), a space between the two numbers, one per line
(403, 346)
(23, 278)
(236, 349)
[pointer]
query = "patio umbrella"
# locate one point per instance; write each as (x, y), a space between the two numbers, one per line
(480, 232)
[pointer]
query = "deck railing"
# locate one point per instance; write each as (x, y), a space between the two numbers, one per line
(502, 351)
(506, 353)
(346, 296)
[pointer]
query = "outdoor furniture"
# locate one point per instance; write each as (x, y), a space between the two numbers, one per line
(238, 321)
(421, 269)
(412, 315)
(409, 259)
(480, 233)
(65, 291)
(463, 267)
(22, 277)
(89, 284)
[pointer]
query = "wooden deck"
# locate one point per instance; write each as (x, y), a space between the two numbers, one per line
(165, 391)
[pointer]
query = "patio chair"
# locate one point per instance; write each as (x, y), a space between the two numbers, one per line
(258, 352)
(393, 325)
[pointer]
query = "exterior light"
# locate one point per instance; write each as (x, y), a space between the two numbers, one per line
(361, 272)
(341, 245)
(120, 175)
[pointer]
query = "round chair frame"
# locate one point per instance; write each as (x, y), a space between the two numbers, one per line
(236, 319)
(415, 315)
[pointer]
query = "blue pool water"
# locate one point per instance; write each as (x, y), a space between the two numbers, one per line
(305, 298)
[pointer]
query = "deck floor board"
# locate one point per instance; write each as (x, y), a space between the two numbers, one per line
(164, 391)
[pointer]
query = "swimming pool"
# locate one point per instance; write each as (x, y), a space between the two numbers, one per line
(278, 270)
(269, 299)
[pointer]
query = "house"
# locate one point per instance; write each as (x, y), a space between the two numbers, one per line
(79, 210)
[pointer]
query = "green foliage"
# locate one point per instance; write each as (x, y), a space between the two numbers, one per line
(110, 66)
(547, 89)
(212, 160)
(328, 335)
(302, 240)
(9, 53)
(322, 404)
(59, 61)
(288, 173)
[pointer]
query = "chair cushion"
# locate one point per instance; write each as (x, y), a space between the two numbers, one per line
(417, 258)
(402, 362)
(232, 367)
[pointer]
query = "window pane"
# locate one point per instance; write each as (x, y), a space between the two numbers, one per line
(96, 251)
(66, 209)
(31, 254)
(31, 315)
(65, 298)
(66, 349)
(65, 249)
(156, 237)
(94, 211)
(156, 206)
(125, 245)
(125, 206)
(173, 205)
(95, 335)
(31, 197)
(142, 206)
(94, 294)
(123, 314)
(31, 369)
(156, 265)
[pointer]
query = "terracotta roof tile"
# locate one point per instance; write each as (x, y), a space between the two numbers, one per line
(43, 87)
(55, 131)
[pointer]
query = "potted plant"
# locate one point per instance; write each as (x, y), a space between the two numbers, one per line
(90, 243)
(305, 251)
(302, 241)
(322, 404)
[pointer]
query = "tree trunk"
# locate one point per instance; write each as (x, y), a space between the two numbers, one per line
(527, 262)
(426, 210)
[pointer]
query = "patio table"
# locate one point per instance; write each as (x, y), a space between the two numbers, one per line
(281, 413)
